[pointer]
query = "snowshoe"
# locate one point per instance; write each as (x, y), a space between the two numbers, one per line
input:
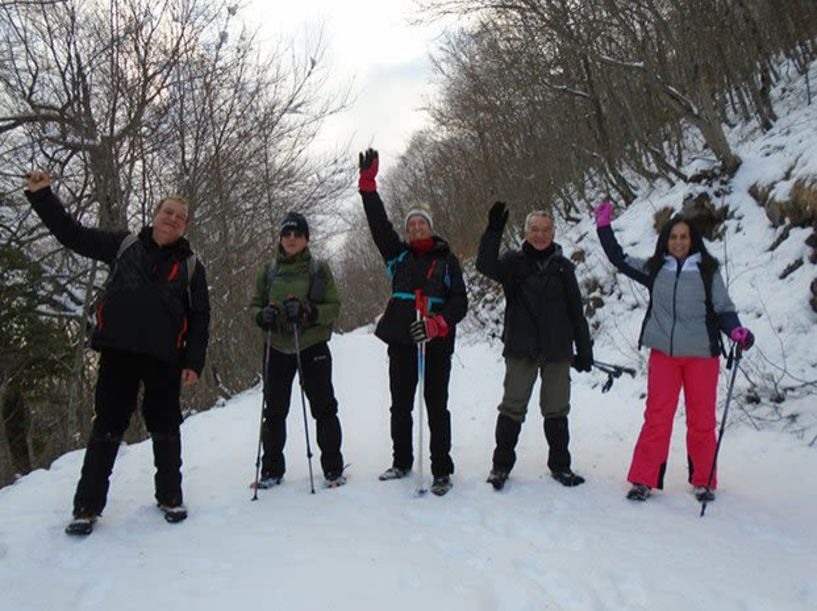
(334, 480)
(703, 494)
(266, 482)
(174, 514)
(497, 478)
(393, 473)
(441, 485)
(639, 492)
(567, 478)
(81, 525)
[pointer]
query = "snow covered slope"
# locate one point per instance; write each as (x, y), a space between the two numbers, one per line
(374, 545)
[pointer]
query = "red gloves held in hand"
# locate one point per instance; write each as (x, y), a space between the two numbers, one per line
(368, 164)
(426, 330)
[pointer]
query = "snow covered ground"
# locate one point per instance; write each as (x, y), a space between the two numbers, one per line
(536, 545)
(375, 545)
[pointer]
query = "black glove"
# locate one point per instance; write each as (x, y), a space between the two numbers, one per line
(310, 312)
(294, 310)
(497, 217)
(418, 332)
(266, 317)
(583, 361)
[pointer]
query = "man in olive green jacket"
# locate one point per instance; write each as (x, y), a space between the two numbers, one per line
(296, 291)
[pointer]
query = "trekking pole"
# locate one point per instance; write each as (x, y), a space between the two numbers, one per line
(612, 371)
(296, 336)
(421, 375)
(737, 352)
(609, 367)
(263, 409)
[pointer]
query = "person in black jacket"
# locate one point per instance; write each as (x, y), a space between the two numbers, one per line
(543, 321)
(426, 278)
(151, 328)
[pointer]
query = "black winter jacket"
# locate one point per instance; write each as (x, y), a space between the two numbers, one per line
(543, 311)
(144, 308)
(436, 273)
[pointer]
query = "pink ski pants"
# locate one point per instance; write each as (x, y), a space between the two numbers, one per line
(666, 375)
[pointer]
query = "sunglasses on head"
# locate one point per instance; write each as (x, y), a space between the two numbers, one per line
(297, 233)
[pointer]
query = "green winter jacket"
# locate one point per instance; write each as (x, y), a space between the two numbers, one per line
(292, 279)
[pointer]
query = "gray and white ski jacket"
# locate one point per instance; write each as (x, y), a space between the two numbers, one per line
(676, 323)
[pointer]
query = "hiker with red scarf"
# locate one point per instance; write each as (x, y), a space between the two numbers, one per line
(427, 274)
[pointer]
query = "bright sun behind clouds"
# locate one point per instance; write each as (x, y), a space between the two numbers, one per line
(371, 45)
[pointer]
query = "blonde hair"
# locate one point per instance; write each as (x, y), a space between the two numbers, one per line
(173, 198)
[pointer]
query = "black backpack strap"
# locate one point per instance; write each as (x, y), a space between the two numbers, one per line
(191, 271)
(317, 279)
(712, 325)
(128, 241)
(272, 271)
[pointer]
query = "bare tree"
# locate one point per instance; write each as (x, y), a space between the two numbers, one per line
(127, 101)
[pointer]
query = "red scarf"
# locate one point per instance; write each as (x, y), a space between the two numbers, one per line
(422, 246)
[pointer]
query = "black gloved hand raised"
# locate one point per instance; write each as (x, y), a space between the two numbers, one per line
(497, 217)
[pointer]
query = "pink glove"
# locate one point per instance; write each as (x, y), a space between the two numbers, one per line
(604, 213)
(742, 337)
(368, 164)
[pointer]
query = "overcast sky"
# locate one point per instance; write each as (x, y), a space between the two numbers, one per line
(372, 45)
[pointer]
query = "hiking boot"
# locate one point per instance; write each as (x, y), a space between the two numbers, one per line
(269, 481)
(174, 513)
(497, 478)
(567, 478)
(441, 485)
(81, 524)
(334, 479)
(703, 493)
(393, 473)
(639, 492)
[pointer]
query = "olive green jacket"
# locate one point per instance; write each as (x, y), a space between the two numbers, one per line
(292, 279)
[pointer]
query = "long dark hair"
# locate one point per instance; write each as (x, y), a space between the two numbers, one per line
(654, 264)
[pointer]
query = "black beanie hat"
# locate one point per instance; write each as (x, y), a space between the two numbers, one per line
(296, 221)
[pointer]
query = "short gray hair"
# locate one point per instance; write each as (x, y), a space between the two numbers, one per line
(537, 213)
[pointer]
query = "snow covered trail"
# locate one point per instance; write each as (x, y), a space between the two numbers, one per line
(374, 545)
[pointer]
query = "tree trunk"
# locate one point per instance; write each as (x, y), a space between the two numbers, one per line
(7, 471)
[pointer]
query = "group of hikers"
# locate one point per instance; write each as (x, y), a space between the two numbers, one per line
(153, 316)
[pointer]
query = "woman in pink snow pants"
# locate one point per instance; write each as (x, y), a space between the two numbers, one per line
(689, 307)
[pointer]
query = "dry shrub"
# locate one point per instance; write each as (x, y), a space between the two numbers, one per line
(701, 212)
(661, 218)
(801, 209)
(760, 193)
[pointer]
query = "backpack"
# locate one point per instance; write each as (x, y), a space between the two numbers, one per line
(317, 280)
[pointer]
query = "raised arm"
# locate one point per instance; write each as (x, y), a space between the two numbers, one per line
(386, 239)
(488, 261)
(88, 242)
(629, 266)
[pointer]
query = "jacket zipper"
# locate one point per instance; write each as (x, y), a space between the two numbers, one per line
(674, 300)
